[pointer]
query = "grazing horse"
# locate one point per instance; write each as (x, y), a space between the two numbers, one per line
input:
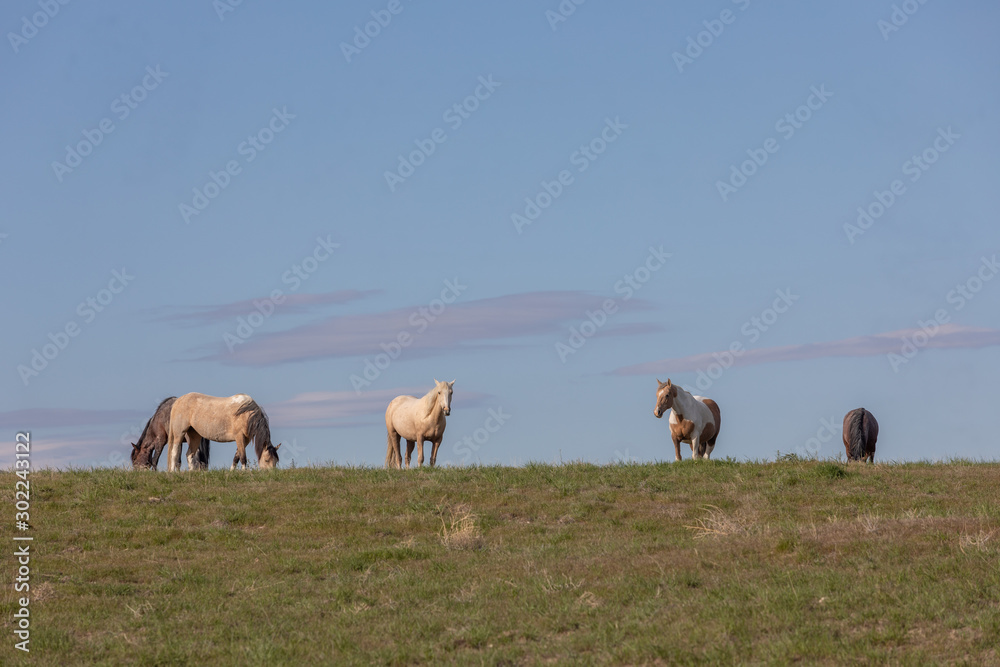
(235, 418)
(693, 419)
(860, 434)
(417, 420)
(146, 454)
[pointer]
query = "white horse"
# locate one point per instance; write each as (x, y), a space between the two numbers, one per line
(417, 420)
(693, 419)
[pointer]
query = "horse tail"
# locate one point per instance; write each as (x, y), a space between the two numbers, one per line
(392, 448)
(856, 434)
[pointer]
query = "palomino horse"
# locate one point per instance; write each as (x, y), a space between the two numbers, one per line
(693, 419)
(223, 419)
(417, 420)
(860, 434)
(146, 454)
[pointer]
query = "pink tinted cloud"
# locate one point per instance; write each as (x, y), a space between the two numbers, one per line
(32, 418)
(290, 304)
(320, 409)
(483, 322)
(950, 336)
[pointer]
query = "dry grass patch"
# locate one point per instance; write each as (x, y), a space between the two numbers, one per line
(722, 523)
(460, 532)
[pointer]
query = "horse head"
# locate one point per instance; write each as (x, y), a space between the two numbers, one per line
(269, 457)
(444, 395)
(665, 395)
(141, 459)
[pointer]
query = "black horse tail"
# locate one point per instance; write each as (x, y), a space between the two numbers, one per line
(856, 434)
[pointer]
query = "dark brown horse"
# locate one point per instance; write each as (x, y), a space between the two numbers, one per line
(146, 454)
(860, 434)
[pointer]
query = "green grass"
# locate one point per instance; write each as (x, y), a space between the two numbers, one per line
(691, 563)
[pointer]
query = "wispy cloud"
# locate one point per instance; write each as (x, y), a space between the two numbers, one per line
(950, 336)
(484, 322)
(291, 304)
(59, 451)
(31, 418)
(323, 409)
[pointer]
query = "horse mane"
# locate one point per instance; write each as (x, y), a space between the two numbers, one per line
(258, 427)
(856, 434)
(150, 420)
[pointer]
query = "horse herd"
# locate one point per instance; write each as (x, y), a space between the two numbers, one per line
(199, 419)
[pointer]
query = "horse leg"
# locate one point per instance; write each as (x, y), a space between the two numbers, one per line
(696, 447)
(174, 440)
(194, 442)
(241, 453)
(420, 452)
(677, 448)
(154, 456)
(434, 452)
(409, 451)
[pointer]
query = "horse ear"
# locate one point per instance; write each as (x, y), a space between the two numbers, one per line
(135, 446)
(277, 447)
(436, 381)
(668, 382)
(451, 384)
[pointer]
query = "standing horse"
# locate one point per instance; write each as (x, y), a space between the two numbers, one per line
(860, 434)
(417, 420)
(146, 454)
(236, 418)
(693, 419)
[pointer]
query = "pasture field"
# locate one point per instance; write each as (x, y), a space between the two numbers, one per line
(700, 562)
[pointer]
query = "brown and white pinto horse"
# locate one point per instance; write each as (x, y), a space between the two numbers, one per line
(693, 419)
(860, 434)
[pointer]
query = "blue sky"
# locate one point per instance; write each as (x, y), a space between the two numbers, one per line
(485, 180)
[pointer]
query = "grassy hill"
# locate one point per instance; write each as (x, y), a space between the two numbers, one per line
(697, 562)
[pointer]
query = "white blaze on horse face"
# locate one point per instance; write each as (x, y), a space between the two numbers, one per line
(446, 400)
(657, 412)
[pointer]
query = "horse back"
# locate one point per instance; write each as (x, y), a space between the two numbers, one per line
(213, 417)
